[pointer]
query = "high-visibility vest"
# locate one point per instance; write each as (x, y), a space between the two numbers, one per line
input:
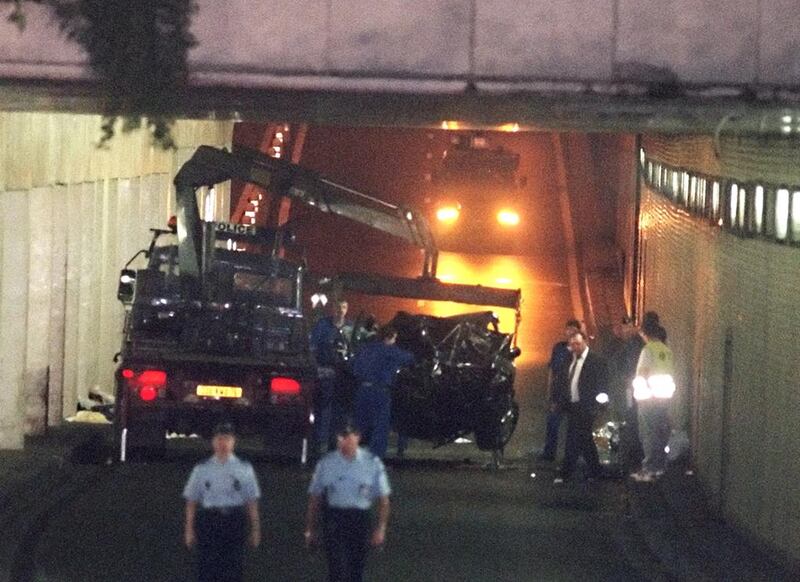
(654, 373)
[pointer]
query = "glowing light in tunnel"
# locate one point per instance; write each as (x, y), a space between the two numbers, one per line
(447, 214)
(508, 217)
(451, 125)
(509, 127)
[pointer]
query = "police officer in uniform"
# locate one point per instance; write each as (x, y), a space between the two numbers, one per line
(330, 344)
(345, 485)
(375, 366)
(222, 510)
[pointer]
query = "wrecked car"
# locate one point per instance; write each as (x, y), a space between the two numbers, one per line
(462, 382)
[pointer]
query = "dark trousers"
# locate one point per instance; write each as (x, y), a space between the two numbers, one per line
(373, 417)
(579, 441)
(346, 533)
(551, 436)
(221, 537)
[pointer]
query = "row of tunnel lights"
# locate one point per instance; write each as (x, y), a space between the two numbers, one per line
(276, 150)
(753, 209)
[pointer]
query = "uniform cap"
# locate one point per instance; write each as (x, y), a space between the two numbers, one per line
(224, 428)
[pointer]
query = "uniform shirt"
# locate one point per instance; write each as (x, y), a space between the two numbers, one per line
(654, 373)
(216, 484)
(350, 483)
(377, 363)
(327, 341)
(656, 358)
(575, 371)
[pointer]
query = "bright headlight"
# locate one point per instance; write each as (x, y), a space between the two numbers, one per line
(508, 217)
(447, 214)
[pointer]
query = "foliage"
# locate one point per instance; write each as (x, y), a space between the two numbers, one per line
(138, 49)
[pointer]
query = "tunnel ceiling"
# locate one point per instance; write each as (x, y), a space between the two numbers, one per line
(609, 109)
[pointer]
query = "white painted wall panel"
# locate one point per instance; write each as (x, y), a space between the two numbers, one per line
(61, 249)
(779, 45)
(571, 39)
(13, 314)
(697, 41)
(250, 43)
(400, 36)
(707, 284)
(287, 35)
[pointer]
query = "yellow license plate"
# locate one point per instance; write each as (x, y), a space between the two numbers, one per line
(219, 391)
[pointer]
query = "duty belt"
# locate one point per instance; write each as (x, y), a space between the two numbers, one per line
(227, 510)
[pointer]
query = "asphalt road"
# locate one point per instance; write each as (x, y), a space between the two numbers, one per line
(452, 520)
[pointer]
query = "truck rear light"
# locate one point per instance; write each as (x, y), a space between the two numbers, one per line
(147, 383)
(284, 386)
(153, 378)
(148, 393)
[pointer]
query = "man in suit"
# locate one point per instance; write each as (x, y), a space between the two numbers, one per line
(586, 379)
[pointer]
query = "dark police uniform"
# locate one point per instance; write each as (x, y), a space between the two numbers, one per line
(349, 487)
(221, 491)
(330, 345)
(375, 367)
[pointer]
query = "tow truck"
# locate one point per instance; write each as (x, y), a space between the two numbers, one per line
(215, 327)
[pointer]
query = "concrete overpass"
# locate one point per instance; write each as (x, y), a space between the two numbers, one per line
(620, 65)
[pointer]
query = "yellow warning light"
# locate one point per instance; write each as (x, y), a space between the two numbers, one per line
(448, 214)
(508, 217)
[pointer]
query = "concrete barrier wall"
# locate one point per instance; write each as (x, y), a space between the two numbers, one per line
(732, 310)
(332, 44)
(71, 215)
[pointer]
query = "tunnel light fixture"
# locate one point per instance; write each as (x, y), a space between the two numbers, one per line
(781, 213)
(509, 127)
(451, 125)
(448, 214)
(508, 217)
(795, 218)
(758, 207)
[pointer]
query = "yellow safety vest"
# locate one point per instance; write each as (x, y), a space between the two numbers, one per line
(654, 374)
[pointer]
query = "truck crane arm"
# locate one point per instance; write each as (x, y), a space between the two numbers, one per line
(209, 166)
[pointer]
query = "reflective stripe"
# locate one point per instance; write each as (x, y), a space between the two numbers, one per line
(659, 386)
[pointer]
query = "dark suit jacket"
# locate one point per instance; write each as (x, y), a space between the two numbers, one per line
(593, 380)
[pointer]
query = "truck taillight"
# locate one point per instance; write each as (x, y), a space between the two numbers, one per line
(146, 383)
(284, 386)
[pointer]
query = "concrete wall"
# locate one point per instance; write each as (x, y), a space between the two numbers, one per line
(732, 310)
(434, 45)
(71, 215)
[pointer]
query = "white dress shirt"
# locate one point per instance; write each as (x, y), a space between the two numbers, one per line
(577, 364)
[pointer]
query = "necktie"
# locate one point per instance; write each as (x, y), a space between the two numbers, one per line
(573, 367)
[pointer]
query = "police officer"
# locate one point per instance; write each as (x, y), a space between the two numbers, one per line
(345, 485)
(375, 366)
(330, 344)
(221, 500)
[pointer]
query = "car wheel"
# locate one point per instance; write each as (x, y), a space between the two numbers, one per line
(497, 426)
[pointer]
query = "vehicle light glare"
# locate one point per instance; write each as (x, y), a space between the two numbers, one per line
(508, 217)
(148, 393)
(281, 385)
(602, 398)
(447, 214)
